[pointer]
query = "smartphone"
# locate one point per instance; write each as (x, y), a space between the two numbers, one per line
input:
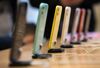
(87, 22)
(65, 25)
(18, 35)
(75, 25)
(40, 28)
(88, 17)
(55, 26)
(81, 24)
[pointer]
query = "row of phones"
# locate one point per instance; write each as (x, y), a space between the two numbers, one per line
(20, 27)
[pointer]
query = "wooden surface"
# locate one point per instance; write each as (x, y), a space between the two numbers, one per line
(86, 55)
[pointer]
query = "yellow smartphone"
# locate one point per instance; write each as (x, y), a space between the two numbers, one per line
(55, 26)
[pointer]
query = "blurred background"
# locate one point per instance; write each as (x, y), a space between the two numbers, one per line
(8, 15)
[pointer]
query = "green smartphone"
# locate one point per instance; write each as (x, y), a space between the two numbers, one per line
(40, 28)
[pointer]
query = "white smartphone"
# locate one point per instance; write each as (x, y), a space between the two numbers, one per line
(65, 25)
(75, 25)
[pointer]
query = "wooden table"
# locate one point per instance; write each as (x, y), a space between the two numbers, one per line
(82, 56)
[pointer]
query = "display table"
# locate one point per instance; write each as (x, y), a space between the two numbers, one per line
(86, 55)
